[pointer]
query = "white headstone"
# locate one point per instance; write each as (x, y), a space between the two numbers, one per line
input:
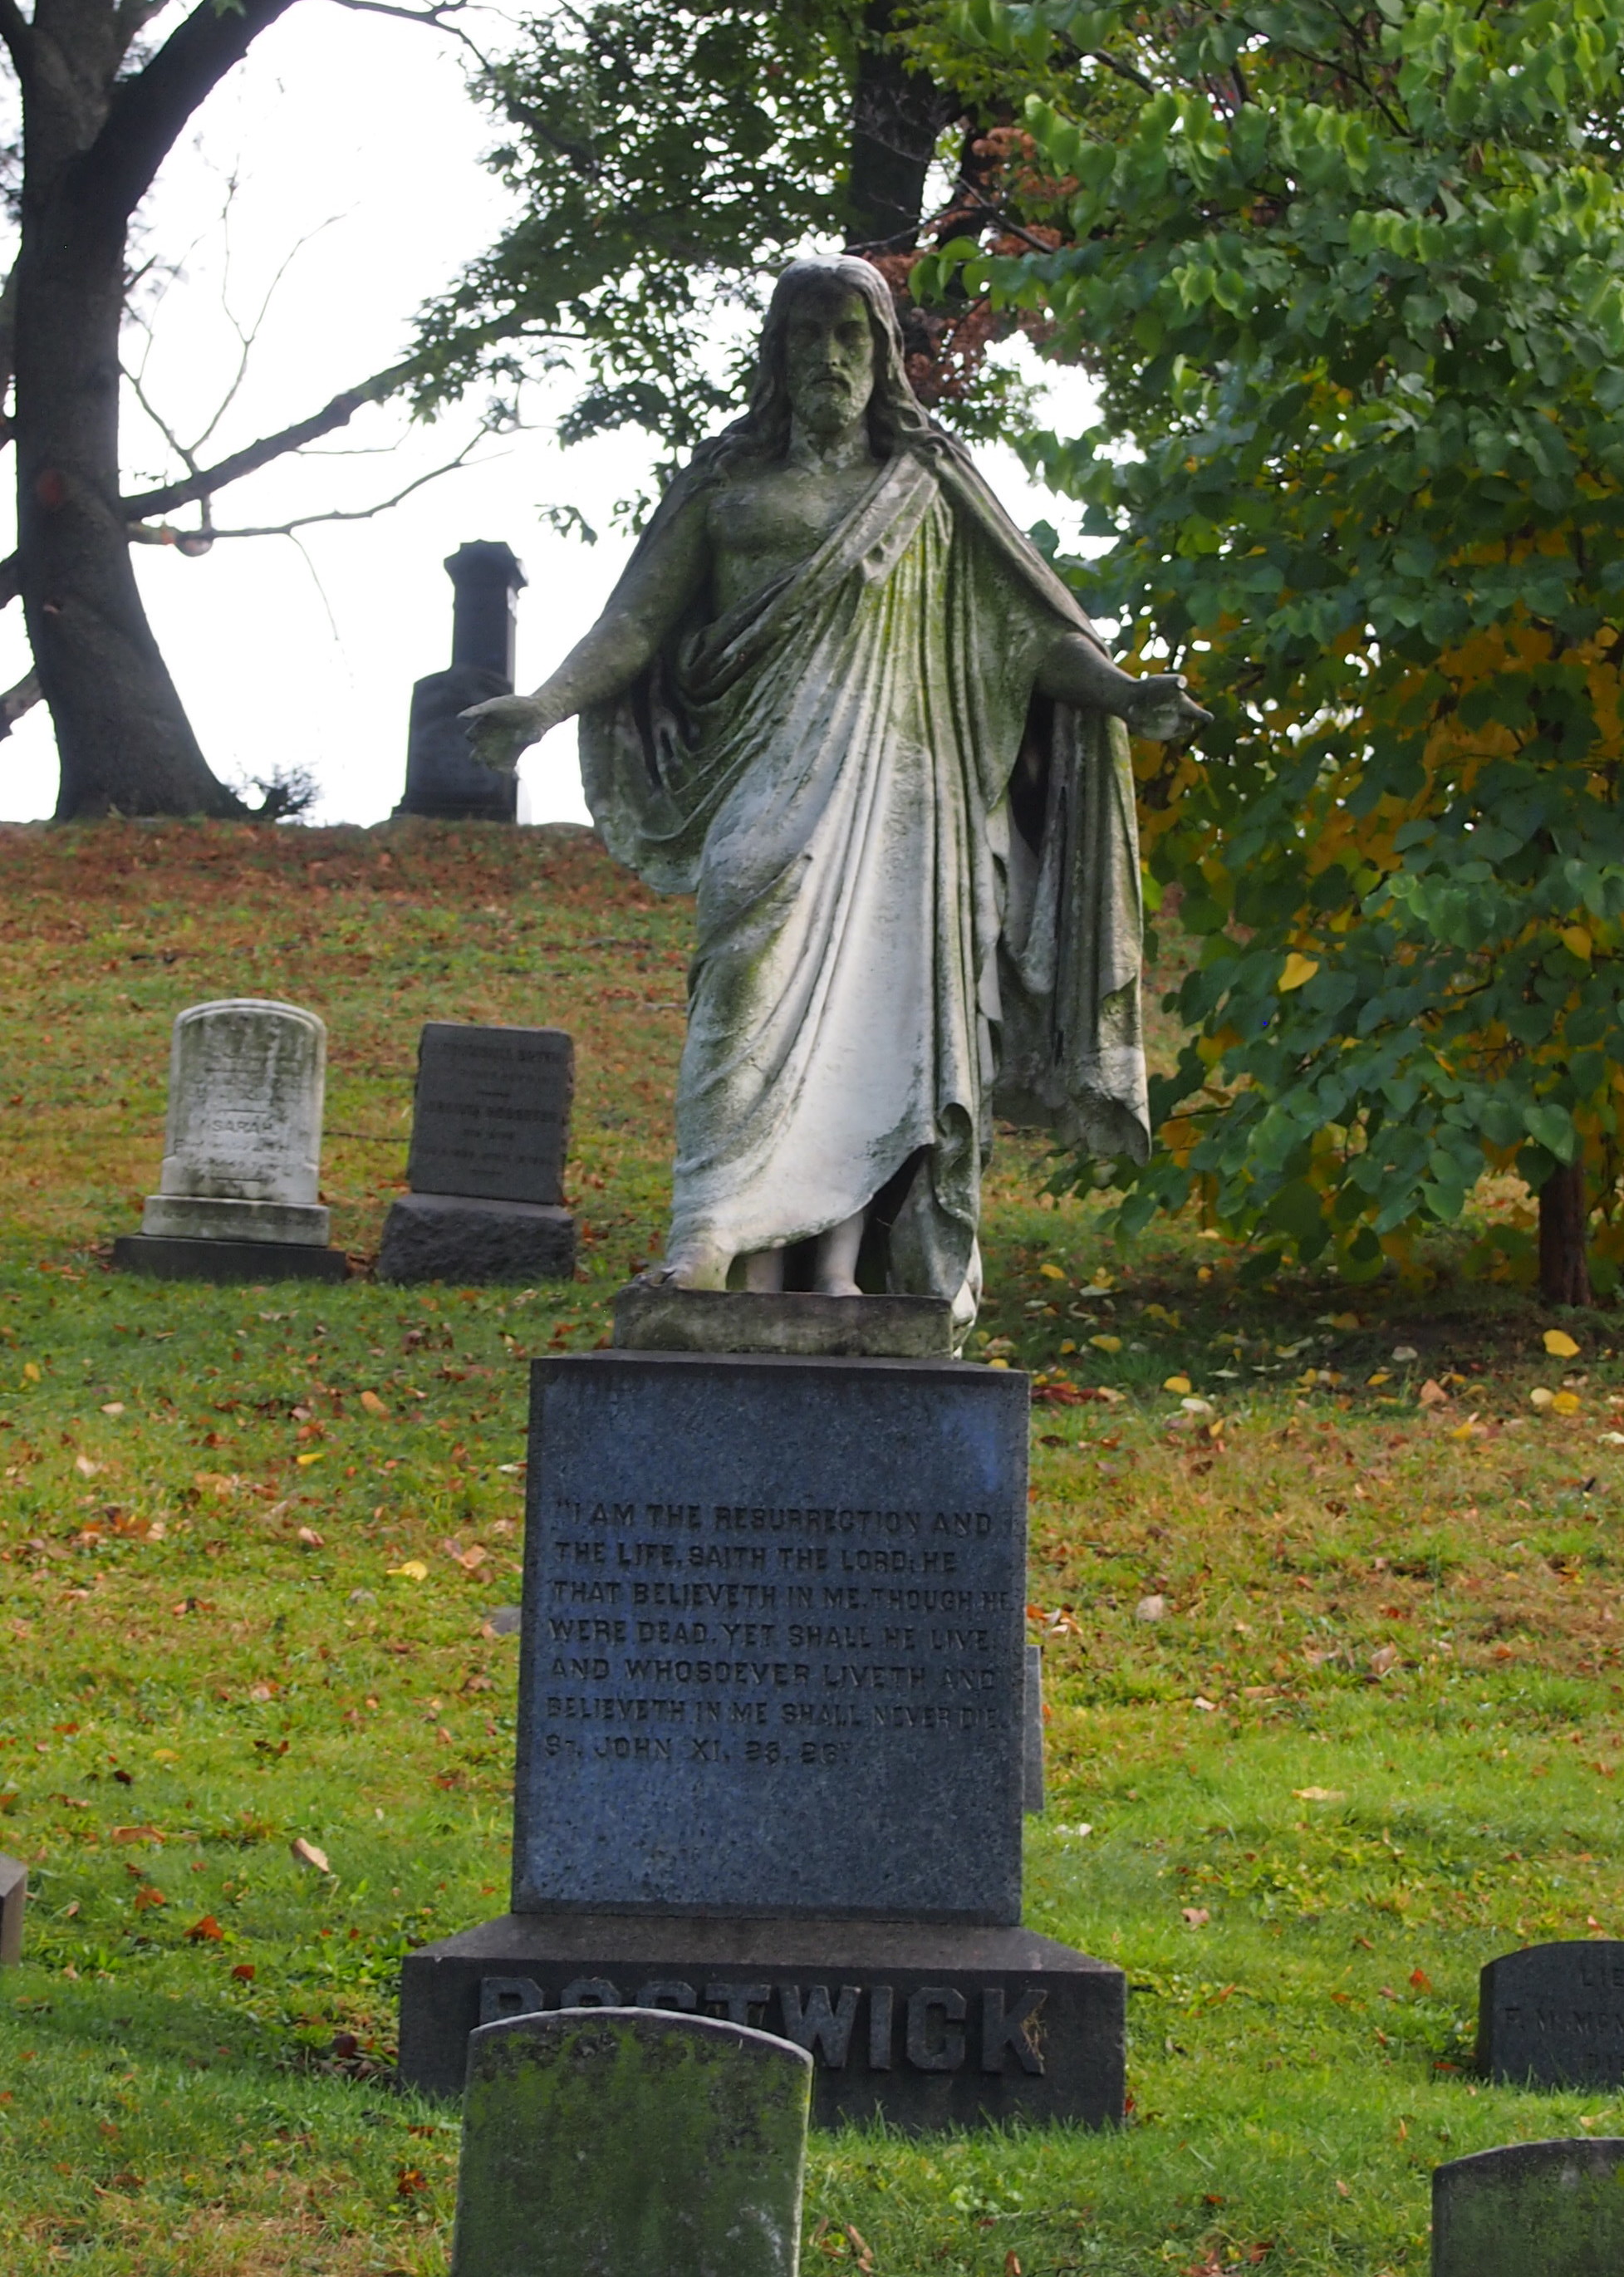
(242, 1150)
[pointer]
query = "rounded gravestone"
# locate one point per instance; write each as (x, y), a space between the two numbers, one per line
(630, 2143)
(1531, 2210)
(242, 1149)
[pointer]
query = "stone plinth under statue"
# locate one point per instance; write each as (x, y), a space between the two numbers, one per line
(772, 1708)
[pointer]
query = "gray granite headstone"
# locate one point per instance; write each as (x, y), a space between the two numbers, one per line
(490, 1137)
(773, 1659)
(1552, 2015)
(13, 1898)
(443, 778)
(625, 2142)
(490, 1116)
(242, 1148)
(1531, 2210)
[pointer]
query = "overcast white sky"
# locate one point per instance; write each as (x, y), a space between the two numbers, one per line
(355, 131)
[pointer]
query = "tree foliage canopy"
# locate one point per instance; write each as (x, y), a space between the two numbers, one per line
(1353, 280)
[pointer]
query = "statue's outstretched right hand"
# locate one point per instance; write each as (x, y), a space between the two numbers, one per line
(498, 730)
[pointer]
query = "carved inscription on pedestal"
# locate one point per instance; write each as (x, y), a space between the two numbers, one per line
(769, 1704)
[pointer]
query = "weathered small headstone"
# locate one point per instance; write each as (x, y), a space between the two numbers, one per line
(238, 1195)
(630, 2142)
(490, 1135)
(1552, 2015)
(443, 778)
(13, 1899)
(1531, 2210)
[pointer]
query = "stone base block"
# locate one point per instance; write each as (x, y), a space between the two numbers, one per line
(218, 1217)
(167, 1260)
(653, 1316)
(931, 2026)
(451, 1238)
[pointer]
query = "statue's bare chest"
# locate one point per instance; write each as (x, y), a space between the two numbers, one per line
(766, 523)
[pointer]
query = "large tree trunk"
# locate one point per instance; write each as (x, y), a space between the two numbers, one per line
(896, 114)
(125, 744)
(1563, 1276)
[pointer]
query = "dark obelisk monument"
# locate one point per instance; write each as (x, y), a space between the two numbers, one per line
(443, 778)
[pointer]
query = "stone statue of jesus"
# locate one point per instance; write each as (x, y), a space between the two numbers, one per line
(839, 696)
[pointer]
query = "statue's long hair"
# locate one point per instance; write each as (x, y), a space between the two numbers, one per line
(897, 417)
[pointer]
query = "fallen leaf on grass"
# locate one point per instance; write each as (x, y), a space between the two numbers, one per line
(135, 1834)
(308, 1854)
(1197, 1916)
(1319, 1794)
(316, 1455)
(1404, 1353)
(310, 1538)
(86, 1468)
(113, 1407)
(1106, 1344)
(1207, 1707)
(206, 1931)
(1420, 1979)
(1383, 1658)
(1560, 1344)
(1542, 1396)
(413, 1570)
(1150, 1608)
(1432, 1394)
(244, 1972)
(1177, 1383)
(1565, 1403)
(1051, 1273)
(146, 1897)
(373, 1404)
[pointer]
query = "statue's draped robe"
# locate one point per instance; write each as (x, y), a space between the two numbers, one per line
(883, 948)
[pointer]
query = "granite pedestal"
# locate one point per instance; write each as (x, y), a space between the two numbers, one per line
(489, 1135)
(231, 1263)
(772, 1730)
(931, 2026)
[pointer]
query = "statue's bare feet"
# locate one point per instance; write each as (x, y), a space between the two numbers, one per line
(834, 1271)
(696, 1264)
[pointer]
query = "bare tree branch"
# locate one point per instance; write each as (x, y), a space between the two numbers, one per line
(198, 541)
(18, 700)
(434, 16)
(200, 484)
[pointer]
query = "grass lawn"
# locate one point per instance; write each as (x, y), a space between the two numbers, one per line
(250, 1539)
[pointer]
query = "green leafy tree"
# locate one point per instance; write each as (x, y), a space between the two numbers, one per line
(1353, 283)
(669, 159)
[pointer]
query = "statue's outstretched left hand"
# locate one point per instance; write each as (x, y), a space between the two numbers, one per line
(502, 728)
(1162, 714)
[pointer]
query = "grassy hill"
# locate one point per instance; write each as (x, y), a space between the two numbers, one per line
(250, 1539)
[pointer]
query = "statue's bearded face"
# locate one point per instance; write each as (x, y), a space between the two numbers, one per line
(830, 359)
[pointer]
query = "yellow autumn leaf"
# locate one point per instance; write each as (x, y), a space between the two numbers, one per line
(1578, 939)
(31, 1371)
(1000, 1362)
(1106, 1344)
(1346, 1322)
(1565, 1402)
(315, 1456)
(413, 1570)
(1176, 1383)
(1051, 1273)
(1381, 1375)
(1560, 1344)
(1069, 1346)
(1298, 969)
(373, 1404)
